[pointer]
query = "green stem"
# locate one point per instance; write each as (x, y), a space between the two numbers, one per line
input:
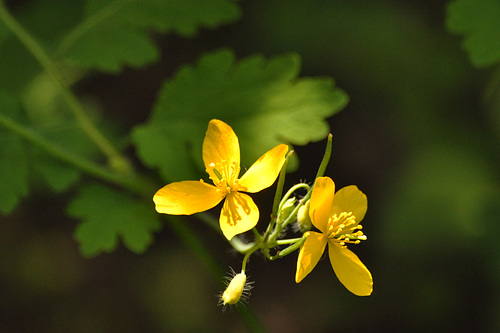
(279, 187)
(287, 241)
(247, 255)
(277, 197)
(115, 159)
(292, 190)
(326, 157)
(292, 248)
(132, 183)
(258, 237)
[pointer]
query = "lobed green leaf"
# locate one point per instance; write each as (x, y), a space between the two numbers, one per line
(108, 215)
(262, 100)
(182, 16)
(110, 48)
(115, 33)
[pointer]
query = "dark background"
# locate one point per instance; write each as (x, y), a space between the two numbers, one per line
(415, 137)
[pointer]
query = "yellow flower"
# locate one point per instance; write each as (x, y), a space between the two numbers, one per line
(337, 216)
(221, 155)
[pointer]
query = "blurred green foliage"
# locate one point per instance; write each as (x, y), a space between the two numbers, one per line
(478, 21)
(420, 137)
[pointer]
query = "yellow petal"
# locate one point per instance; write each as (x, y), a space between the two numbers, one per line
(186, 198)
(221, 147)
(309, 255)
(350, 199)
(321, 202)
(264, 171)
(239, 214)
(350, 270)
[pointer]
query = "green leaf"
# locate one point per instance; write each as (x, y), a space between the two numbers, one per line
(182, 16)
(479, 22)
(111, 48)
(17, 66)
(108, 215)
(57, 175)
(13, 160)
(115, 33)
(262, 100)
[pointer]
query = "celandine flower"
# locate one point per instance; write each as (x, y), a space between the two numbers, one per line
(337, 216)
(221, 155)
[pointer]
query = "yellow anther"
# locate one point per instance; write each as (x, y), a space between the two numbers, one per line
(342, 229)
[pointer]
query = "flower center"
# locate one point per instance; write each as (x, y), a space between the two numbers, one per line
(343, 229)
(226, 175)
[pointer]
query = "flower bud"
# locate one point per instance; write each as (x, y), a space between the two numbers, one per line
(285, 210)
(303, 219)
(235, 289)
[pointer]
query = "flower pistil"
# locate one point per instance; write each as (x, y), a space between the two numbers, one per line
(226, 176)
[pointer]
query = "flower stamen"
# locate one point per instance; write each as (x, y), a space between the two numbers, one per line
(227, 175)
(343, 229)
